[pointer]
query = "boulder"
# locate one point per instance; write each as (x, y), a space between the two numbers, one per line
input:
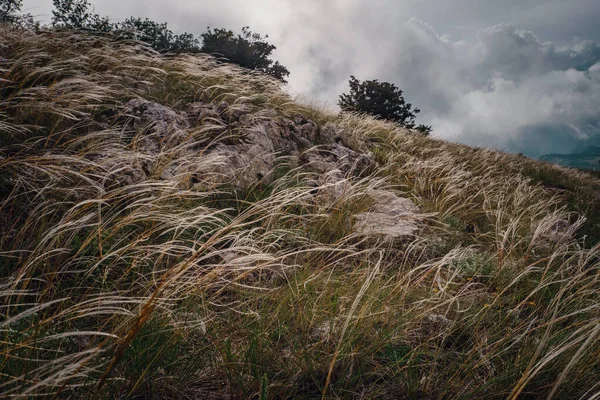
(390, 218)
(307, 130)
(161, 119)
(331, 133)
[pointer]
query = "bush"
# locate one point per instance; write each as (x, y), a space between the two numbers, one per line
(249, 50)
(424, 129)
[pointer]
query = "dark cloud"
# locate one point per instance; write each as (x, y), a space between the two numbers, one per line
(531, 85)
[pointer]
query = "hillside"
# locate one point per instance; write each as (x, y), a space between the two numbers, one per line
(173, 228)
(587, 159)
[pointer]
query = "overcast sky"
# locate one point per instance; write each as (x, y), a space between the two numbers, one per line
(517, 75)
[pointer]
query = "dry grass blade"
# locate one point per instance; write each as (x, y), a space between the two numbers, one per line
(140, 258)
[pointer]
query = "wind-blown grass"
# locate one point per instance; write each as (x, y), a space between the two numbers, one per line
(156, 288)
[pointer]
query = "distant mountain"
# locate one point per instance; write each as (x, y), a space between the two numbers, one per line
(588, 159)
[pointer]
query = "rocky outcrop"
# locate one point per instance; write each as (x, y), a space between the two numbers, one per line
(254, 157)
(245, 150)
(246, 147)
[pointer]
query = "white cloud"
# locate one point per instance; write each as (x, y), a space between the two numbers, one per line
(508, 89)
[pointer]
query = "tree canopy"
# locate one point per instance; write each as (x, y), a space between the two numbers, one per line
(78, 14)
(248, 49)
(380, 99)
(159, 36)
(10, 12)
(9, 9)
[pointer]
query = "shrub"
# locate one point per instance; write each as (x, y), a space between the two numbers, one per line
(424, 129)
(10, 12)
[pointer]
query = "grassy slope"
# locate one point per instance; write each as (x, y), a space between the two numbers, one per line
(151, 290)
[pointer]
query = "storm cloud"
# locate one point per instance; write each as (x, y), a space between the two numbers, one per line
(507, 89)
(518, 76)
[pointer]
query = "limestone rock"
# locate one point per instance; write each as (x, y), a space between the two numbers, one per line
(331, 133)
(326, 158)
(253, 159)
(250, 155)
(391, 217)
(160, 117)
(199, 112)
(331, 164)
(163, 127)
(306, 128)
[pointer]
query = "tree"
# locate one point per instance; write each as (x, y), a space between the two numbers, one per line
(9, 10)
(156, 35)
(159, 36)
(185, 43)
(78, 14)
(380, 99)
(249, 50)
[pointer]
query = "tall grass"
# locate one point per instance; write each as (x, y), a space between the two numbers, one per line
(116, 282)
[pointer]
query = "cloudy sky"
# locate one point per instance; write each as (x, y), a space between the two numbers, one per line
(517, 75)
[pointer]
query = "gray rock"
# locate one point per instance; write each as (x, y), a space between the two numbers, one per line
(125, 175)
(391, 217)
(326, 158)
(331, 133)
(308, 131)
(253, 159)
(145, 112)
(249, 155)
(198, 112)
(331, 185)
(222, 107)
(318, 161)
(163, 127)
